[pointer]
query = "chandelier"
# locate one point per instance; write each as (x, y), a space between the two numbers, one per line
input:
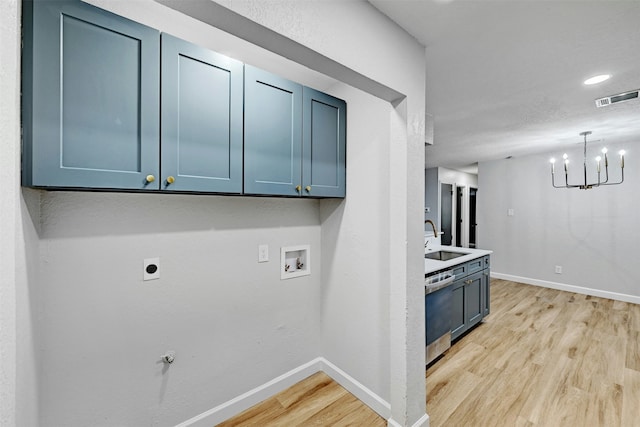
(586, 185)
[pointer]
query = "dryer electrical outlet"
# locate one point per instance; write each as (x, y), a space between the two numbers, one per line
(151, 269)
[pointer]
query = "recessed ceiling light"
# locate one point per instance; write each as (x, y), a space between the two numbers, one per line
(597, 79)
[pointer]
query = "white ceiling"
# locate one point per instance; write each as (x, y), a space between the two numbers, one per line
(504, 78)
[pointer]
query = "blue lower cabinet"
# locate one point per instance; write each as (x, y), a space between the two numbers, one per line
(272, 134)
(90, 98)
(324, 145)
(471, 298)
(201, 133)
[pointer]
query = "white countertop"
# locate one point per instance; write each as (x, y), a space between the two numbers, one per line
(431, 265)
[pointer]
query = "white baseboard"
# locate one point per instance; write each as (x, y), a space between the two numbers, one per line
(422, 422)
(238, 404)
(368, 397)
(245, 401)
(569, 288)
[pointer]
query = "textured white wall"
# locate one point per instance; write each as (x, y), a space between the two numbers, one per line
(232, 322)
(9, 205)
(355, 234)
(18, 244)
(592, 234)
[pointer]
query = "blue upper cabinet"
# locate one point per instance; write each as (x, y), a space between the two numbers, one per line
(324, 144)
(272, 134)
(111, 104)
(295, 139)
(201, 131)
(90, 98)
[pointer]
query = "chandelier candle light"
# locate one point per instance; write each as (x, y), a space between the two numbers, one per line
(599, 159)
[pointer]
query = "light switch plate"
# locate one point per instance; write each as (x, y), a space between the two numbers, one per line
(151, 269)
(263, 253)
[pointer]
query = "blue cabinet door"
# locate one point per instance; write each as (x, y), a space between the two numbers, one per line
(486, 292)
(324, 145)
(90, 98)
(458, 311)
(201, 131)
(474, 299)
(272, 134)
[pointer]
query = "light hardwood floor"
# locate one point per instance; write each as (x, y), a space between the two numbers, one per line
(541, 358)
(316, 401)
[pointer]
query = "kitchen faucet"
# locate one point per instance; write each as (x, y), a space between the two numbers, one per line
(435, 233)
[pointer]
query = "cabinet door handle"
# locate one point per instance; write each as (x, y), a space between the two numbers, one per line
(170, 180)
(149, 179)
(308, 188)
(298, 188)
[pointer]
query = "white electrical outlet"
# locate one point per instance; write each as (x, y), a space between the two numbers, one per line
(151, 269)
(263, 253)
(558, 269)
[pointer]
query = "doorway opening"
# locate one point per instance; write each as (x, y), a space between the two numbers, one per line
(446, 210)
(473, 226)
(459, 215)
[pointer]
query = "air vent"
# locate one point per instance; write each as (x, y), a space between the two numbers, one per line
(614, 99)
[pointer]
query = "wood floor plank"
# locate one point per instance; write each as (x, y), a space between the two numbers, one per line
(444, 397)
(303, 390)
(631, 398)
(632, 356)
(297, 413)
(634, 317)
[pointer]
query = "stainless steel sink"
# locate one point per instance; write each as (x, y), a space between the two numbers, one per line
(443, 255)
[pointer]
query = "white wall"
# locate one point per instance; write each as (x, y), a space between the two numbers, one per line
(232, 322)
(590, 233)
(90, 333)
(355, 301)
(18, 244)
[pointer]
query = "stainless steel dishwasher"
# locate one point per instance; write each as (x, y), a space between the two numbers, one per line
(437, 299)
